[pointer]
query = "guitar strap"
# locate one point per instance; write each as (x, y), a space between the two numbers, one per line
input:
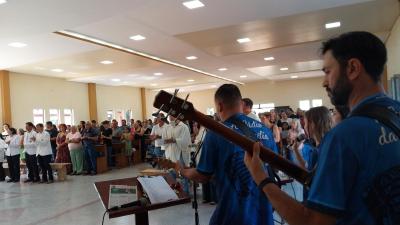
(382, 196)
(251, 135)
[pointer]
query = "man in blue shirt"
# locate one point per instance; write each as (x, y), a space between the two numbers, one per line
(239, 200)
(355, 152)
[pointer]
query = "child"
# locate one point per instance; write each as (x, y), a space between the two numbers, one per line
(127, 139)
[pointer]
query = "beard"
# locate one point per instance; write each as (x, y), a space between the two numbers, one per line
(341, 91)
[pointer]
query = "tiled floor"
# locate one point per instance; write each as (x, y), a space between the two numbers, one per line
(76, 202)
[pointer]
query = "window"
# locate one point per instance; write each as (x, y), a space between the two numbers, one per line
(261, 108)
(304, 104)
(54, 116)
(38, 116)
(316, 102)
(69, 116)
(110, 115)
(210, 111)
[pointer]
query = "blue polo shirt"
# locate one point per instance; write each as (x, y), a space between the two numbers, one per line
(350, 156)
(239, 200)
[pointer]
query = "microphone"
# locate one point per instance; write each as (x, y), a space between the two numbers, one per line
(140, 202)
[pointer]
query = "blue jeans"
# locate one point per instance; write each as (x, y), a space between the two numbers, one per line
(185, 181)
(158, 152)
(109, 156)
(91, 157)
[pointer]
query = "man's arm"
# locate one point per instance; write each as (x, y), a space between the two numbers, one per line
(289, 209)
(192, 174)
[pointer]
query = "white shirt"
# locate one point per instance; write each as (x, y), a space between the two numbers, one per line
(181, 134)
(43, 144)
(29, 145)
(13, 146)
(253, 116)
(3, 146)
(74, 146)
(158, 131)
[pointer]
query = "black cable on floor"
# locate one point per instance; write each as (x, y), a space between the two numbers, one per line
(102, 222)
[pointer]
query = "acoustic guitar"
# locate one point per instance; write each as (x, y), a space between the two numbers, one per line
(184, 110)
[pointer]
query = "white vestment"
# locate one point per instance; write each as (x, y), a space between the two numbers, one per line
(181, 134)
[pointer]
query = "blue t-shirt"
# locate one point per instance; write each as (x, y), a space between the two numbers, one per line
(239, 200)
(350, 156)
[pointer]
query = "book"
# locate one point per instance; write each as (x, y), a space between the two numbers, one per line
(157, 189)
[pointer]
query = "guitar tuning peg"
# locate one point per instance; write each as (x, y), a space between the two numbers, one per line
(170, 112)
(175, 94)
(180, 116)
(184, 105)
(158, 111)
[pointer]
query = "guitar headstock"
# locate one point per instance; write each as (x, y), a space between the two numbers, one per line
(173, 105)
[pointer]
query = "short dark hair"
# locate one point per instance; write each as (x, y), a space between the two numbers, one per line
(364, 46)
(39, 125)
(49, 123)
(29, 124)
(248, 102)
(94, 121)
(229, 94)
(13, 130)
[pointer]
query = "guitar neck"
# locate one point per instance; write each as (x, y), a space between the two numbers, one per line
(267, 155)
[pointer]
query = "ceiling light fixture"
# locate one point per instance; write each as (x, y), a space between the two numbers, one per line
(190, 80)
(243, 76)
(17, 45)
(158, 74)
(294, 77)
(283, 68)
(332, 25)
(125, 82)
(3, 1)
(222, 69)
(116, 80)
(243, 40)
(192, 57)
(269, 58)
(193, 4)
(153, 85)
(106, 62)
(57, 70)
(83, 37)
(137, 37)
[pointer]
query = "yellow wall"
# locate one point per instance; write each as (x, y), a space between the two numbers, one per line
(122, 97)
(281, 93)
(393, 48)
(31, 91)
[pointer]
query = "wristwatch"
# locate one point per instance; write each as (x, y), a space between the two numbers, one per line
(264, 182)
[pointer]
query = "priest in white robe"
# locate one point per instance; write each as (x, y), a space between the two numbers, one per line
(177, 139)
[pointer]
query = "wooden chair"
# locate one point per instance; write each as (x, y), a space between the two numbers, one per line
(102, 166)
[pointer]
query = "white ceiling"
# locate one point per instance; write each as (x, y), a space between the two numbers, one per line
(173, 32)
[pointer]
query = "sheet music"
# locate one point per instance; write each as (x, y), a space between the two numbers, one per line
(157, 189)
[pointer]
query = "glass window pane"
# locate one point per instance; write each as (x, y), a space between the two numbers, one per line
(304, 104)
(316, 102)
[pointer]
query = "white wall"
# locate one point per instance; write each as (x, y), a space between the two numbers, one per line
(121, 97)
(31, 91)
(393, 48)
(282, 93)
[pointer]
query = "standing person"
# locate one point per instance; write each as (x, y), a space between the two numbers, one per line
(89, 138)
(3, 148)
(106, 135)
(126, 139)
(156, 136)
(239, 200)
(21, 133)
(30, 153)
(63, 155)
(75, 150)
(6, 130)
(177, 139)
(247, 109)
(53, 136)
(44, 153)
(138, 132)
(356, 155)
(12, 153)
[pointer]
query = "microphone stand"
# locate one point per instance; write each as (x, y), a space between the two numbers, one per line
(194, 165)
